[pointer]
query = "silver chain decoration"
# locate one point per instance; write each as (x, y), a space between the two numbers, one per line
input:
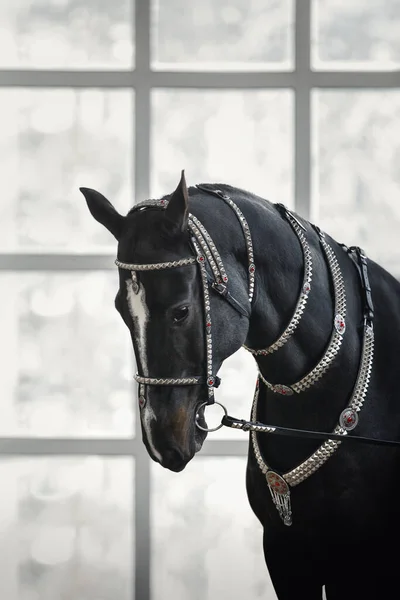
(167, 381)
(325, 451)
(247, 237)
(209, 248)
(302, 301)
(335, 342)
(156, 266)
(206, 298)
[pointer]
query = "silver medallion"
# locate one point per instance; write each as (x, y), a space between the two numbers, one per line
(340, 324)
(284, 390)
(348, 419)
(280, 493)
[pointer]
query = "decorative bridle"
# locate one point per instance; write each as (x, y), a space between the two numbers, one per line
(215, 279)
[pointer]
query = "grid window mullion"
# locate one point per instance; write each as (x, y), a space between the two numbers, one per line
(142, 489)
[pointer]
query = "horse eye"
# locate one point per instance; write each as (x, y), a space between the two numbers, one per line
(180, 314)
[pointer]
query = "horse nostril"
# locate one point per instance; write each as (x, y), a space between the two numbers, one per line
(174, 459)
(172, 455)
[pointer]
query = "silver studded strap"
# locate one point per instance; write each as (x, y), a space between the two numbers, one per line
(348, 418)
(208, 324)
(338, 330)
(246, 232)
(156, 266)
(305, 291)
(169, 380)
(209, 249)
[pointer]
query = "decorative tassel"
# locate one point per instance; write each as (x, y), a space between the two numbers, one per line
(280, 493)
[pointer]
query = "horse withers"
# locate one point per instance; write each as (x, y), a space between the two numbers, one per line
(207, 270)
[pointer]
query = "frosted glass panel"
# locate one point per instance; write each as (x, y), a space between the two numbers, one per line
(356, 170)
(356, 35)
(206, 541)
(68, 34)
(66, 357)
(241, 138)
(66, 528)
(238, 381)
(239, 34)
(53, 142)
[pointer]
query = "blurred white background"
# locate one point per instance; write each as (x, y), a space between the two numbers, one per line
(298, 101)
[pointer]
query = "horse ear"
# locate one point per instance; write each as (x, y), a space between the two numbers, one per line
(178, 206)
(103, 211)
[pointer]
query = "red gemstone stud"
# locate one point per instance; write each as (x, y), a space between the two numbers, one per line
(348, 419)
(142, 401)
(252, 268)
(210, 381)
(306, 288)
(200, 258)
(284, 390)
(277, 483)
(225, 278)
(340, 324)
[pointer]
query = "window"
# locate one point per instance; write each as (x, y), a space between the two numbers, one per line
(297, 101)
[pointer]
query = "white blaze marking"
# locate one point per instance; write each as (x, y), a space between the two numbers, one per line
(140, 315)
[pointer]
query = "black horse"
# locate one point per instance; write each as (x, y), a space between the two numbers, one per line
(206, 271)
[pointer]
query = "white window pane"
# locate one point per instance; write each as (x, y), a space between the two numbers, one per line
(53, 142)
(66, 356)
(356, 35)
(197, 519)
(240, 34)
(238, 382)
(66, 34)
(241, 138)
(356, 170)
(66, 528)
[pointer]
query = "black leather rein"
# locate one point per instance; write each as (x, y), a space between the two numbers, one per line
(301, 433)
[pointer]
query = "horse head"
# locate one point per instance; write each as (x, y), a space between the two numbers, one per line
(181, 329)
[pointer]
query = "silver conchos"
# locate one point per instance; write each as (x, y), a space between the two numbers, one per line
(340, 324)
(277, 483)
(280, 494)
(348, 419)
(284, 390)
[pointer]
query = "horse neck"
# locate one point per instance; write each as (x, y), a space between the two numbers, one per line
(280, 270)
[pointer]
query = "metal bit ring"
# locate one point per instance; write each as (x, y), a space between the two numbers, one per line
(214, 428)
